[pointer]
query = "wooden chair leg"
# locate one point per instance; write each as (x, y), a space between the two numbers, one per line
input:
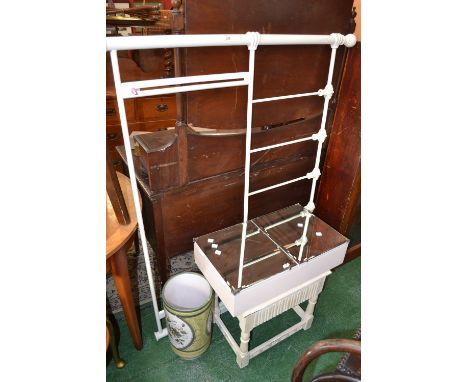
(121, 277)
(119, 362)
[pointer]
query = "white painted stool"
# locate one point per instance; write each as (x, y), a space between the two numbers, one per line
(309, 291)
(289, 254)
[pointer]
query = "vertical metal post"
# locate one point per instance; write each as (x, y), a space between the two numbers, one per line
(255, 38)
(131, 169)
(327, 92)
(303, 239)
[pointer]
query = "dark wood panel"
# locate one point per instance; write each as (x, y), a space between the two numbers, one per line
(211, 154)
(353, 252)
(268, 16)
(279, 70)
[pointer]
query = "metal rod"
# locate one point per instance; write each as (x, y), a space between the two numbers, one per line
(133, 182)
(202, 40)
(184, 80)
(248, 136)
(283, 221)
(134, 88)
(310, 204)
(284, 97)
(277, 185)
(304, 236)
(265, 257)
(184, 88)
(280, 144)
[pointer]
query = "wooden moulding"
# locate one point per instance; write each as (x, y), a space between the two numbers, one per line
(271, 265)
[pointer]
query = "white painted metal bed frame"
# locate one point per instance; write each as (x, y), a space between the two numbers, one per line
(134, 89)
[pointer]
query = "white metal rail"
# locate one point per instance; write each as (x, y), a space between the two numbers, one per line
(251, 40)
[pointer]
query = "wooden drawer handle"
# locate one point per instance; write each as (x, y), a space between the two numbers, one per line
(110, 111)
(161, 107)
(112, 136)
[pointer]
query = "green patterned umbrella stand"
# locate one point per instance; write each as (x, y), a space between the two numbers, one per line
(188, 303)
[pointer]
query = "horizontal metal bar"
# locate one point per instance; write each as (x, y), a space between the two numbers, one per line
(130, 86)
(277, 185)
(283, 221)
(194, 40)
(274, 253)
(285, 97)
(252, 234)
(185, 88)
(281, 144)
(278, 245)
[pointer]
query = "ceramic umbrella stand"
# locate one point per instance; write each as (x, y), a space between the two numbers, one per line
(188, 305)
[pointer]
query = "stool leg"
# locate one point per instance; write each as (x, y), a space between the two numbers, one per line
(309, 316)
(243, 357)
(119, 269)
(119, 362)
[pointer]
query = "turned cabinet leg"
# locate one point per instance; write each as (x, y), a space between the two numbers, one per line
(243, 357)
(119, 362)
(164, 264)
(119, 268)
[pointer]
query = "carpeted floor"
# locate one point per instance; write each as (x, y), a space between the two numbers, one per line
(337, 315)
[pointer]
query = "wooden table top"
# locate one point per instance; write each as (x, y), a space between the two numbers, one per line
(118, 234)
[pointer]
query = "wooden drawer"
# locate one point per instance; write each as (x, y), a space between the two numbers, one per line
(155, 108)
(114, 136)
(112, 111)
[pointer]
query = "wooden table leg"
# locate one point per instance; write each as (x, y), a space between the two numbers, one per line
(119, 269)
